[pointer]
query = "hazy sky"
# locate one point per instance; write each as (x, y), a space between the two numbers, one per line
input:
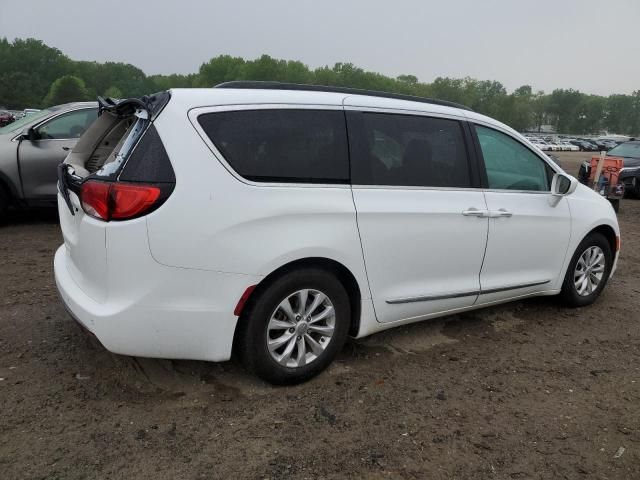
(591, 45)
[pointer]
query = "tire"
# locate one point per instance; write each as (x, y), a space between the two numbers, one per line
(4, 205)
(596, 242)
(264, 320)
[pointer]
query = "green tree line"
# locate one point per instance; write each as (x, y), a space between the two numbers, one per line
(33, 74)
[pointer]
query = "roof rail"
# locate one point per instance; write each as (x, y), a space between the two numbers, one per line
(254, 84)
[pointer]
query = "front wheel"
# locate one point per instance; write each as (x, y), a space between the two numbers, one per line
(295, 327)
(588, 271)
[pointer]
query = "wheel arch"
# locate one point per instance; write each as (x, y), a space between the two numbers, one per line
(344, 275)
(609, 233)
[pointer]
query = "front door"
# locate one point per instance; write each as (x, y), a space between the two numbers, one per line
(419, 217)
(39, 158)
(529, 228)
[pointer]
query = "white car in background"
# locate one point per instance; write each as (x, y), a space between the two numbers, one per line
(541, 144)
(276, 220)
(563, 144)
(569, 147)
(554, 145)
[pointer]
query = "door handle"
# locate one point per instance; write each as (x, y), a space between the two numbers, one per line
(474, 212)
(500, 213)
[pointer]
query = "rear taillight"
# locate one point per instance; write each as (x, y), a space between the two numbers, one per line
(119, 201)
(94, 197)
(130, 201)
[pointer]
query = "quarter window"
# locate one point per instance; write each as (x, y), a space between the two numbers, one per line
(510, 165)
(282, 145)
(68, 125)
(407, 150)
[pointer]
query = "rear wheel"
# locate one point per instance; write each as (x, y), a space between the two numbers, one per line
(588, 271)
(295, 327)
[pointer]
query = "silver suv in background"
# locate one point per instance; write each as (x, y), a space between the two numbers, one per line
(31, 149)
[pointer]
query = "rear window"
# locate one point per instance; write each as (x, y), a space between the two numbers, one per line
(407, 150)
(282, 145)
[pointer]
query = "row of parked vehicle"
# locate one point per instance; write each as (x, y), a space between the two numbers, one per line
(557, 144)
(10, 116)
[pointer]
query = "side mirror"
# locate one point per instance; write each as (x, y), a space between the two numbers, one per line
(29, 134)
(562, 185)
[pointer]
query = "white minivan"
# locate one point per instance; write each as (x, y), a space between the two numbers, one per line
(275, 220)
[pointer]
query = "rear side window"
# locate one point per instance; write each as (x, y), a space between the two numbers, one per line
(407, 150)
(149, 161)
(510, 165)
(282, 145)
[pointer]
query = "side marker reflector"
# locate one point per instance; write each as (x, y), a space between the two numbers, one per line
(243, 300)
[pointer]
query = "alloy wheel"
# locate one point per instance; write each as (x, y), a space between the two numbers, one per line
(300, 328)
(589, 271)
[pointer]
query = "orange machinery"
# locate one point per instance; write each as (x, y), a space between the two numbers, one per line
(606, 183)
(610, 169)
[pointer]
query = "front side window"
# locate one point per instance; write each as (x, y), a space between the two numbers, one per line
(68, 125)
(407, 150)
(510, 165)
(282, 145)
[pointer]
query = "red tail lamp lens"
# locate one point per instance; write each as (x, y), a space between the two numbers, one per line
(95, 199)
(129, 201)
(117, 201)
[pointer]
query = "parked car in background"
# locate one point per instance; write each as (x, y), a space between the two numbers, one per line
(541, 144)
(31, 149)
(369, 209)
(28, 111)
(552, 144)
(568, 146)
(630, 173)
(610, 143)
(6, 118)
(602, 146)
(594, 146)
(583, 146)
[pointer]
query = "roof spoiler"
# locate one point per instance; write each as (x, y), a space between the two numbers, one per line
(152, 104)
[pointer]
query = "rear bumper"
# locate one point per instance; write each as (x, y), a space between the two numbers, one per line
(178, 313)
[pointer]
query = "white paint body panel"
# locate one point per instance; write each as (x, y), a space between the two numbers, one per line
(528, 247)
(166, 285)
(149, 309)
(416, 242)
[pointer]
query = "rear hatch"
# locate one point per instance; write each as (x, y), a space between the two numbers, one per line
(117, 172)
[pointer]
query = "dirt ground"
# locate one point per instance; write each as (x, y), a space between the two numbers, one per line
(521, 391)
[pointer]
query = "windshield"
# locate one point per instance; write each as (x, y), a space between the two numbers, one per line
(27, 119)
(626, 150)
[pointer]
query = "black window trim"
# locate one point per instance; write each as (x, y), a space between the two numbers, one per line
(472, 159)
(195, 113)
(483, 169)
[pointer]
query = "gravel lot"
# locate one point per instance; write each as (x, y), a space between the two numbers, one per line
(524, 390)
